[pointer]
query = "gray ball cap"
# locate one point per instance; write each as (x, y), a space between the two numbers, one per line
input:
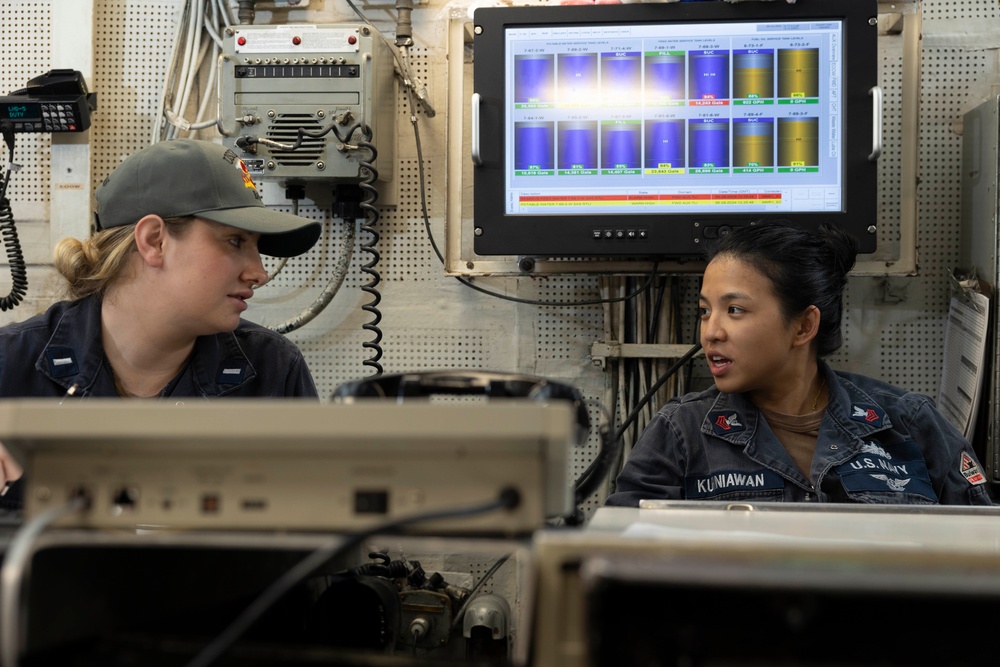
(183, 177)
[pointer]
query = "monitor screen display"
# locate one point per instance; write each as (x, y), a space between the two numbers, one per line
(649, 129)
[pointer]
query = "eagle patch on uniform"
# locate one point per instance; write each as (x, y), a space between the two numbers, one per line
(971, 470)
(868, 414)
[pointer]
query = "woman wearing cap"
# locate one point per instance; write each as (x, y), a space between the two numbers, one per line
(156, 294)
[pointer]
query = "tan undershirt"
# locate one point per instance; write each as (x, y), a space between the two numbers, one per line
(798, 434)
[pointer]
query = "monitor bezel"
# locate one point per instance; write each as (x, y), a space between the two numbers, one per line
(682, 235)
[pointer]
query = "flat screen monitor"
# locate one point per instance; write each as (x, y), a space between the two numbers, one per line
(647, 130)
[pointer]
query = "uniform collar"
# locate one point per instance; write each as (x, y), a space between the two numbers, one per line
(218, 366)
(735, 419)
(853, 407)
(74, 355)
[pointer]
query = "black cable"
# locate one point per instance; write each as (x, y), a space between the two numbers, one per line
(654, 311)
(371, 217)
(508, 499)
(587, 483)
(470, 284)
(695, 332)
(654, 307)
(631, 366)
(8, 231)
(652, 390)
(675, 301)
(246, 143)
(532, 302)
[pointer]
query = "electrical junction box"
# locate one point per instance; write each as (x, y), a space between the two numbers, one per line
(296, 100)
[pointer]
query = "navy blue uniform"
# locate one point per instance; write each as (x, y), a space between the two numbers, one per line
(877, 444)
(60, 349)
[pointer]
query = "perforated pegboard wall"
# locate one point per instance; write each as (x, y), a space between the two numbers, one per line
(133, 43)
(25, 55)
(894, 326)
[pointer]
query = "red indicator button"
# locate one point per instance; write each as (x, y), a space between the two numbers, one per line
(296, 40)
(352, 40)
(242, 41)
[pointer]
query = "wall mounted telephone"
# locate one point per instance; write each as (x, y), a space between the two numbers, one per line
(57, 101)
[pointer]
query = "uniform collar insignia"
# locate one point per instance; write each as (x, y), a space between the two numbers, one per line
(868, 414)
(232, 371)
(725, 422)
(62, 362)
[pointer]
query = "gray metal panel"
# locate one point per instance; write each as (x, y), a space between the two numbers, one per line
(978, 240)
(979, 243)
(292, 464)
(894, 326)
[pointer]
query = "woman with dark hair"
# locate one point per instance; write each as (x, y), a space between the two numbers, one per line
(780, 424)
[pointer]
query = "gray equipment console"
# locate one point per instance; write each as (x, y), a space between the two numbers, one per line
(291, 464)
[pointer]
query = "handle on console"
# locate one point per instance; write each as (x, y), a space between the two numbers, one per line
(876, 93)
(477, 159)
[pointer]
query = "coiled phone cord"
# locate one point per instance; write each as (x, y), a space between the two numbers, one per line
(8, 231)
(368, 246)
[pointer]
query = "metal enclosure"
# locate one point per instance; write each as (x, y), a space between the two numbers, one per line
(311, 91)
(979, 244)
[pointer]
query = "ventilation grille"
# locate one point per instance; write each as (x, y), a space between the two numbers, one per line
(285, 130)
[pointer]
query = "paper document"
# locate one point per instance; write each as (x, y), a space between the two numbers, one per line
(964, 357)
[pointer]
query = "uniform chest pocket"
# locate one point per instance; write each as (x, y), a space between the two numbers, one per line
(887, 474)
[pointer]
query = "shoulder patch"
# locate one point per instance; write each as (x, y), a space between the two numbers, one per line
(868, 414)
(971, 471)
(725, 422)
